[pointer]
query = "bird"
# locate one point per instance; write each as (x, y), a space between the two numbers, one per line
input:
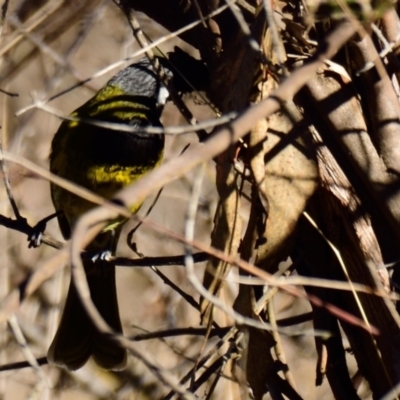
(103, 160)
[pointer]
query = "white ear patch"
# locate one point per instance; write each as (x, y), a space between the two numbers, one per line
(163, 95)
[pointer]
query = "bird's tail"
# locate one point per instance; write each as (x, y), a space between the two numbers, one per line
(77, 338)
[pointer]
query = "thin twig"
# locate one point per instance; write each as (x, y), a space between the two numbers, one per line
(170, 130)
(139, 224)
(211, 353)
(279, 351)
(189, 235)
(23, 364)
(179, 332)
(156, 261)
(189, 299)
(276, 39)
(20, 339)
(7, 182)
(237, 13)
(217, 365)
(9, 93)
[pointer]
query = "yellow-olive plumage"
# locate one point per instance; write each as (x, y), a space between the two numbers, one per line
(104, 161)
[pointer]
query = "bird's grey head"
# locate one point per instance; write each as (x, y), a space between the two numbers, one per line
(139, 79)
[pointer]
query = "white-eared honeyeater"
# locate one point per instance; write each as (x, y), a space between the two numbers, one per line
(103, 161)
